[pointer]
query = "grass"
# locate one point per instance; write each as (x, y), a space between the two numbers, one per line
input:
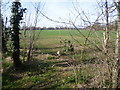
(51, 38)
(47, 70)
(32, 73)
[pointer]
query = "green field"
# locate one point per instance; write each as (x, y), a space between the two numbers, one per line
(72, 69)
(52, 38)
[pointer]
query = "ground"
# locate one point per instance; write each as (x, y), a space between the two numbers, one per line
(81, 68)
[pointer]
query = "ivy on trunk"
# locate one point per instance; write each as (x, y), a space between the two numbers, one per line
(17, 16)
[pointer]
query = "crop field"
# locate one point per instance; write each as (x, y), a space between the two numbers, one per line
(52, 38)
(49, 41)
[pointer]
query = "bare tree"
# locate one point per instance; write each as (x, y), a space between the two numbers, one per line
(106, 34)
(32, 39)
(104, 50)
(31, 36)
(108, 59)
(118, 45)
(116, 68)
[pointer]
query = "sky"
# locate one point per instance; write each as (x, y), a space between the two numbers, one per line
(58, 10)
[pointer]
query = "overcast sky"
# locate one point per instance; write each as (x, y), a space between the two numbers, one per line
(58, 10)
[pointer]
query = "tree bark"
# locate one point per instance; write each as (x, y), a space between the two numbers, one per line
(15, 21)
(116, 67)
(0, 48)
(0, 31)
(118, 47)
(106, 34)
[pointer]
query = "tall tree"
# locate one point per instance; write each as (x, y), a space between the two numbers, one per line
(116, 68)
(106, 34)
(0, 47)
(33, 36)
(17, 16)
(118, 47)
(0, 31)
(4, 36)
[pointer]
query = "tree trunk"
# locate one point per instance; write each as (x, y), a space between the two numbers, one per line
(116, 67)
(4, 36)
(118, 47)
(106, 34)
(16, 46)
(15, 21)
(0, 32)
(29, 52)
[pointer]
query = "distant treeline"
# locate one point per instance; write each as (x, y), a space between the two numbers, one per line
(95, 26)
(47, 28)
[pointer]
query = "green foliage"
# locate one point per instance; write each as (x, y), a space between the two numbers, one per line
(5, 35)
(7, 54)
(68, 45)
(6, 65)
(17, 16)
(118, 8)
(70, 79)
(51, 57)
(107, 83)
(32, 73)
(92, 60)
(78, 79)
